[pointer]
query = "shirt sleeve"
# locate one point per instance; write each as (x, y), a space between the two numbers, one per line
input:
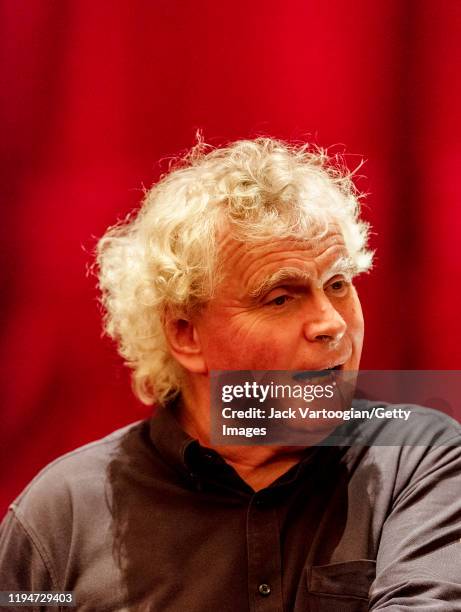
(418, 565)
(24, 565)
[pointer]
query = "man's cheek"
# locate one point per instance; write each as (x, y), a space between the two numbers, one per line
(267, 356)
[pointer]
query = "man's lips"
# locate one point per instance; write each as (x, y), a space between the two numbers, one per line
(318, 372)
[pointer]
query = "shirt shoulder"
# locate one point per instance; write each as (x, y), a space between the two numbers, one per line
(66, 507)
(384, 424)
(74, 474)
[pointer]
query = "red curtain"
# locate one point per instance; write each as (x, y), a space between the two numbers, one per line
(93, 94)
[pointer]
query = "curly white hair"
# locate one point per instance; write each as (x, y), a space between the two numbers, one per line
(167, 254)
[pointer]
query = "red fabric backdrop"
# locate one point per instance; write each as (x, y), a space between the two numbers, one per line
(94, 93)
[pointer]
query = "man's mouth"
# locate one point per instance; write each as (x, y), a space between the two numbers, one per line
(317, 373)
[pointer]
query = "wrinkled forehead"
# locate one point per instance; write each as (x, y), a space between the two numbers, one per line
(312, 257)
(232, 246)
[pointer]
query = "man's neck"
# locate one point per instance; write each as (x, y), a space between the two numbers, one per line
(258, 466)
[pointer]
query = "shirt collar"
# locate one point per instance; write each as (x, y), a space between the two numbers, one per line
(184, 453)
(171, 442)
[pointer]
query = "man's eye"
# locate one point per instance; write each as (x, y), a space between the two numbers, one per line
(339, 287)
(278, 301)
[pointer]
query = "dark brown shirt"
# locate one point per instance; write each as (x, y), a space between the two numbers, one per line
(147, 519)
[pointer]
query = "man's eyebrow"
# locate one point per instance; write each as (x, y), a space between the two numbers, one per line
(284, 274)
(343, 265)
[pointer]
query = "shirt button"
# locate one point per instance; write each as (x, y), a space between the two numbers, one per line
(264, 589)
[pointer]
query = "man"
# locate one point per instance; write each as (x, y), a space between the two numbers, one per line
(240, 259)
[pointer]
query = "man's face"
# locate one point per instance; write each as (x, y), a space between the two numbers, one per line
(284, 304)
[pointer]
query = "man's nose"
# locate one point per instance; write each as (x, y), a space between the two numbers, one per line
(323, 322)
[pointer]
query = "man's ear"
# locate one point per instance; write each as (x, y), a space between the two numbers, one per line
(184, 342)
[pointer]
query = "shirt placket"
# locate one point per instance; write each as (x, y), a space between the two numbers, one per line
(264, 556)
